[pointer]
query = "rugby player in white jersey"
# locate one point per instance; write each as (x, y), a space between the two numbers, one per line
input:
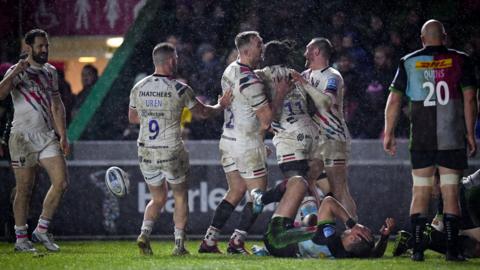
(296, 136)
(38, 137)
(156, 103)
(243, 153)
(334, 148)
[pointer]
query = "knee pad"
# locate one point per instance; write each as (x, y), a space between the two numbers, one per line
(449, 179)
(419, 181)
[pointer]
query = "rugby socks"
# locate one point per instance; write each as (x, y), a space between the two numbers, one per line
(21, 233)
(248, 217)
(42, 226)
(147, 227)
(275, 194)
(418, 222)
(179, 237)
(238, 236)
(222, 214)
(451, 223)
(211, 236)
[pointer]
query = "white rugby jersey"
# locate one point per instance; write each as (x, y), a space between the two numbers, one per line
(159, 101)
(294, 113)
(330, 120)
(241, 122)
(32, 98)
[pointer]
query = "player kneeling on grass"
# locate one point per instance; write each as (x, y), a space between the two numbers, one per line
(324, 240)
(156, 103)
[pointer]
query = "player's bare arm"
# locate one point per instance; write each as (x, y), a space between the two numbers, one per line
(204, 111)
(320, 99)
(392, 110)
(330, 209)
(264, 115)
(282, 88)
(470, 111)
(382, 243)
(58, 113)
(133, 117)
(6, 85)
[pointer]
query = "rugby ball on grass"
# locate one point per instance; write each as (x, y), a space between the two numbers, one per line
(117, 181)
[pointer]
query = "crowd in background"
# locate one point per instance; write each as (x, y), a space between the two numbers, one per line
(368, 46)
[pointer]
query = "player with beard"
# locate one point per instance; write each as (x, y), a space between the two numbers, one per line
(156, 103)
(38, 137)
(243, 154)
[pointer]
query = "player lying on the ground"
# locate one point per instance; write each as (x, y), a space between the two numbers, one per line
(325, 240)
(469, 233)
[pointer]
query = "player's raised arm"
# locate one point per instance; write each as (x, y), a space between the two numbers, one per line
(381, 244)
(8, 82)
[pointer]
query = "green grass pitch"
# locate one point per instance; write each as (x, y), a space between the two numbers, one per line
(124, 255)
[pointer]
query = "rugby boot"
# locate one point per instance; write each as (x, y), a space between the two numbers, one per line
(46, 239)
(25, 246)
(143, 243)
(401, 243)
(237, 248)
(204, 248)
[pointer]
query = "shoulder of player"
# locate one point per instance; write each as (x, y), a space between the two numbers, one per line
(412, 54)
(142, 82)
(180, 86)
(50, 67)
(332, 72)
(461, 53)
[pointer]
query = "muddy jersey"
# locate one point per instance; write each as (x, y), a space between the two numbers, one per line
(293, 115)
(159, 101)
(241, 122)
(330, 120)
(32, 98)
(433, 79)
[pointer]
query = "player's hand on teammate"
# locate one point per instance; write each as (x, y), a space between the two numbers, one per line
(64, 145)
(388, 227)
(472, 145)
(362, 231)
(390, 144)
(226, 99)
(283, 86)
(297, 77)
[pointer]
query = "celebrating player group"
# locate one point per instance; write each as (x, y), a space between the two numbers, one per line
(261, 94)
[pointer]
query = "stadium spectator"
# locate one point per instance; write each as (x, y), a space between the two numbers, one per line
(89, 78)
(355, 85)
(376, 34)
(376, 93)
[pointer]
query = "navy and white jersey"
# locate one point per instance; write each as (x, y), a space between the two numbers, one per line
(159, 101)
(32, 98)
(330, 120)
(293, 115)
(241, 122)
